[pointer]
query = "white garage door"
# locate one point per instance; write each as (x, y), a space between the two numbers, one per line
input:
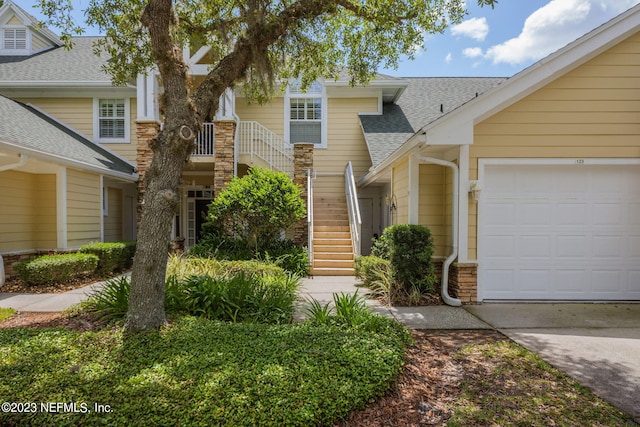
(562, 232)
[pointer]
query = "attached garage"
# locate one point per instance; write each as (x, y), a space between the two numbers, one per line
(559, 230)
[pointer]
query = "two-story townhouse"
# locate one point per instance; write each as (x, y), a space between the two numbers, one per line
(61, 186)
(529, 184)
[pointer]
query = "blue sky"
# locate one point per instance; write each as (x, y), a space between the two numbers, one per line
(489, 42)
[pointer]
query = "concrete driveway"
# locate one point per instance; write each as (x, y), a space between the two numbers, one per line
(596, 344)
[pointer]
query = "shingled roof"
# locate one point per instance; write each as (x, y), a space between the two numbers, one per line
(79, 65)
(24, 127)
(424, 100)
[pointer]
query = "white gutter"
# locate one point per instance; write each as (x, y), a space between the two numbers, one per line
(449, 300)
(54, 158)
(23, 161)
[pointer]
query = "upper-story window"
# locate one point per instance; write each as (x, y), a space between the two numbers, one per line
(306, 114)
(111, 120)
(14, 40)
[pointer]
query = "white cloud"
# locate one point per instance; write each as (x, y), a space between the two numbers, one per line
(618, 7)
(472, 52)
(545, 30)
(448, 58)
(476, 28)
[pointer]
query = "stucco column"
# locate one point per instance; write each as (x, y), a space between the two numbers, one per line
(302, 164)
(224, 154)
(146, 130)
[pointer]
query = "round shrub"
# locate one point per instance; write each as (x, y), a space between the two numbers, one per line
(256, 207)
(409, 248)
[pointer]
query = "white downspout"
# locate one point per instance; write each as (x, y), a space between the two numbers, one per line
(23, 161)
(449, 300)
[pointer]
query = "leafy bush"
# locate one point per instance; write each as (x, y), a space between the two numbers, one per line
(183, 267)
(350, 312)
(112, 300)
(112, 256)
(240, 298)
(377, 275)
(49, 269)
(409, 248)
(256, 207)
(281, 252)
(235, 291)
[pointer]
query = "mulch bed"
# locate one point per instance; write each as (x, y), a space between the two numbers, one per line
(429, 384)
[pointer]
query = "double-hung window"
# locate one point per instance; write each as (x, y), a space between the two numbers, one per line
(306, 114)
(112, 120)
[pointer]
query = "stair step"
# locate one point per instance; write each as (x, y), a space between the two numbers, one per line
(331, 242)
(333, 256)
(333, 263)
(332, 248)
(322, 235)
(331, 229)
(332, 271)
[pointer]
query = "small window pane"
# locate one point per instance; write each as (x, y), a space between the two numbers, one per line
(111, 118)
(306, 132)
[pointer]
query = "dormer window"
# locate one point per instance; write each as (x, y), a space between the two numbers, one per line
(14, 39)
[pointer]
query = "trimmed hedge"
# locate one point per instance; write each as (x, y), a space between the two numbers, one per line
(113, 256)
(56, 268)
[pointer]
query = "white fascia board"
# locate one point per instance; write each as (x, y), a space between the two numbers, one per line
(54, 158)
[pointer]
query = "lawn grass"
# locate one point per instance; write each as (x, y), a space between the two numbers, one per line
(5, 313)
(197, 372)
(513, 386)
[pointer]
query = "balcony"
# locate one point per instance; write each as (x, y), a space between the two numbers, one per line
(205, 141)
(255, 145)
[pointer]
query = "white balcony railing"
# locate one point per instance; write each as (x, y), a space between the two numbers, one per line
(257, 140)
(254, 140)
(205, 141)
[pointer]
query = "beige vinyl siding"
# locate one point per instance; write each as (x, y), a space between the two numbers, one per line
(46, 235)
(432, 204)
(14, 21)
(113, 219)
(77, 113)
(593, 111)
(38, 44)
(270, 115)
(345, 141)
(17, 215)
(83, 208)
(400, 192)
(28, 213)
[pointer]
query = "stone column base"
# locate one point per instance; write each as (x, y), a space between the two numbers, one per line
(463, 282)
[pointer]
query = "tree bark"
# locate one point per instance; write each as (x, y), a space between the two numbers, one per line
(183, 117)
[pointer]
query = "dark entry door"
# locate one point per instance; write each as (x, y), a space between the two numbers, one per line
(202, 207)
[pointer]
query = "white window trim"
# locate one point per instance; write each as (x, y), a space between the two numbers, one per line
(17, 52)
(127, 122)
(324, 113)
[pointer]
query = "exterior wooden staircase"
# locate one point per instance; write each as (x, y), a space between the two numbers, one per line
(332, 244)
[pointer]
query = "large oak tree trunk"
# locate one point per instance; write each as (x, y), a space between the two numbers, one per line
(160, 204)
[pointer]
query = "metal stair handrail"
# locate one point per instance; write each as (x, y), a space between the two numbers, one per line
(353, 207)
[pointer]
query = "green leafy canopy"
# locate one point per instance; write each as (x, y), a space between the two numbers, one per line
(322, 37)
